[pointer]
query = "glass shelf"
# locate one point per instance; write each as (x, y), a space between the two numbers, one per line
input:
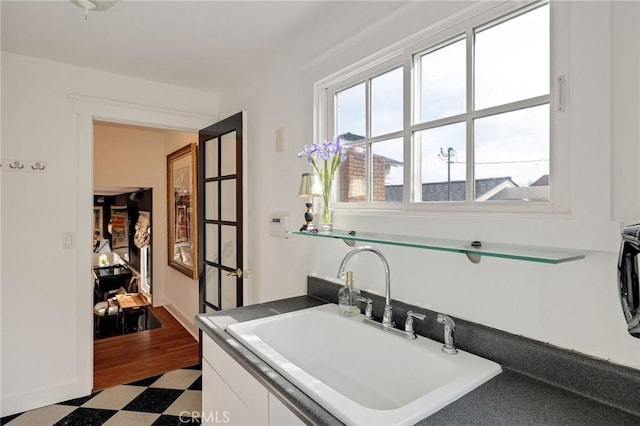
(506, 251)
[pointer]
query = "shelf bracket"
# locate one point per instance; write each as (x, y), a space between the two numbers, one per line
(475, 258)
(350, 243)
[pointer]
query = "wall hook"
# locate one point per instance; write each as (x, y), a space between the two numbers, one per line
(16, 165)
(37, 166)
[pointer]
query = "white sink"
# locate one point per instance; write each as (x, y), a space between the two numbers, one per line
(359, 373)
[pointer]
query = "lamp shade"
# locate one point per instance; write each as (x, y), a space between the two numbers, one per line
(309, 185)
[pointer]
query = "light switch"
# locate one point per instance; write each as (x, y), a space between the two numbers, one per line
(68, 240)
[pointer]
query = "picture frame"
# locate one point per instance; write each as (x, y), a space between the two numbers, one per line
(97, 223)
(182, 244)
(119, 224)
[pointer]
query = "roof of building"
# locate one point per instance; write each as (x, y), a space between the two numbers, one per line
(350, 137)
(438, 191)
(542, 181)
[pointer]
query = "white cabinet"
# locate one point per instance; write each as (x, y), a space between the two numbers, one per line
(220, 405)
(230, 395)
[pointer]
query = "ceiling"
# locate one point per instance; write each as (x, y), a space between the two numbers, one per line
(204, 45)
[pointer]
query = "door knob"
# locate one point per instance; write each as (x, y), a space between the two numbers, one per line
(239, 273)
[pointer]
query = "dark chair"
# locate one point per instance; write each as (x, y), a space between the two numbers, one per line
(106, 309)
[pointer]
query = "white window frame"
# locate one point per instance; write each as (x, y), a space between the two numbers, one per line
(403, 53)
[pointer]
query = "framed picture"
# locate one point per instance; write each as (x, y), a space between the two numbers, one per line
(181, 211)
(97, 223)
(119, 227)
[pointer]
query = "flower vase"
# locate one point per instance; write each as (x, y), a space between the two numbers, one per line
(326, 224)
(326, 219)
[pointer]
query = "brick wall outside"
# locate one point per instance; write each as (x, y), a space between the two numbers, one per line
(352, 176)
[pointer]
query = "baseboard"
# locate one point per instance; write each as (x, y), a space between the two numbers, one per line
(187, 323)
(41, 398)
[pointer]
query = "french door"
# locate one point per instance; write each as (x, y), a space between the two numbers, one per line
(221, 215)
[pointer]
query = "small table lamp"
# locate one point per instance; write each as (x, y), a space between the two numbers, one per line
(309, 188)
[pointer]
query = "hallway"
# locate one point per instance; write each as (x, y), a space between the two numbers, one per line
(135, 356)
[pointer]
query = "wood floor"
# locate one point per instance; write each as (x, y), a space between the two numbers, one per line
(122, 359)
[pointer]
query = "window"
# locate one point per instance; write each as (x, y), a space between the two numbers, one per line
(463, 117)
(369, 120)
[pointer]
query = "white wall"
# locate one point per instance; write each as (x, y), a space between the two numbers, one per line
(135, 156)
(180, 293)
(46, 310)
(573, 305)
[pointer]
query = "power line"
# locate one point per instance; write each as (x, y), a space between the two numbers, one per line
(504, 162)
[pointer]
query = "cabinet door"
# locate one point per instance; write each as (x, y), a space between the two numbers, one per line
(220, 405)
(280, 415)
(238, 383)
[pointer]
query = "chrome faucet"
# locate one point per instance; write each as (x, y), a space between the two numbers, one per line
(387, 316)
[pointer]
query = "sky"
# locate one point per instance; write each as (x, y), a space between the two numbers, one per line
(511, 64)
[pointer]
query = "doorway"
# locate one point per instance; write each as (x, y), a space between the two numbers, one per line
(129, 175)
(90, 110)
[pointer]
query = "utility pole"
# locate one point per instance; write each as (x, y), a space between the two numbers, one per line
(448, 157)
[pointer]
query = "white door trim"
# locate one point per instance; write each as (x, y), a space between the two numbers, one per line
(87, 110)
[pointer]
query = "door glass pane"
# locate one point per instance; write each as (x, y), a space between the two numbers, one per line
(350, 111)
(228, 166)
(386, 103)
(442, 163)
(228, 200)
(352, 175)
(211, 283)
(211, 158)
(211, 200)
(211, 243)
(443, 81)
(229, 291)
(512, 155)
(387, 170)
(229, 246)
(512, 59)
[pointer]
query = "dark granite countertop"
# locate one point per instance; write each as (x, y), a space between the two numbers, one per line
(511, 398)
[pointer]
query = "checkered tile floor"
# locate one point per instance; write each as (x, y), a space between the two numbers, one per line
(173, 398)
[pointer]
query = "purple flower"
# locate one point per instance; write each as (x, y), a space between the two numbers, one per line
(326, 150)
(332, 153)
(309, 151)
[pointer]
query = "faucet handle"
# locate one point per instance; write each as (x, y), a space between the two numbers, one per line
(368, 311)
(408, 324)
